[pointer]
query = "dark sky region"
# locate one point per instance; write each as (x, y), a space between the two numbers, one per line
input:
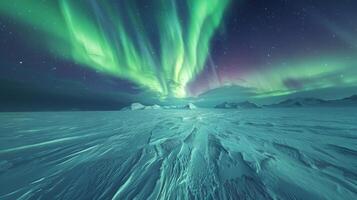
(102, 55)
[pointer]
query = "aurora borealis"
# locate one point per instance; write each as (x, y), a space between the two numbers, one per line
(158, 50)
(115, 40)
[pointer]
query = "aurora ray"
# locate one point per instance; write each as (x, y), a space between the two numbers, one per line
(163, 56)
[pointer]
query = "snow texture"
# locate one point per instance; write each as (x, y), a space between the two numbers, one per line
(255, 154)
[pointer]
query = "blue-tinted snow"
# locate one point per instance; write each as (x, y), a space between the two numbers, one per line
(306, 153)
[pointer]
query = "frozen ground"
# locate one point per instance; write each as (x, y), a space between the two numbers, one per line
(180, 154)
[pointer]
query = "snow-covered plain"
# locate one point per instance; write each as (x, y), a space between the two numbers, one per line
(304, 153)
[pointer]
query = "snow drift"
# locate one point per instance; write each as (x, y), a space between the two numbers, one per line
(180, 154)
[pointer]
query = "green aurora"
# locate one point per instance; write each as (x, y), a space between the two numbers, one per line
(164, 49)
(313, 73)
(126, 51)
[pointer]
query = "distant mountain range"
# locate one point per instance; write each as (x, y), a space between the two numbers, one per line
(139, 106)
(313, 102)
(241, 105)
(289, 103)
(294, 102)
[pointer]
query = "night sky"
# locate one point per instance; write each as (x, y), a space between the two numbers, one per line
(103, 55)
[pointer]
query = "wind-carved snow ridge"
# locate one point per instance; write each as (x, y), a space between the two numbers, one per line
(179, 154)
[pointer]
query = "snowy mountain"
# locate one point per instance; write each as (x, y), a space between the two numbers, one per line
(190, 106)
(315, 102)
(153, 107)
(351, 98)
(348, 101)
(300, 102)
(139, 106)
(241, 105)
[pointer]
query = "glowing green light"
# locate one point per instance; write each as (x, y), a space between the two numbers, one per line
(119, 46)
